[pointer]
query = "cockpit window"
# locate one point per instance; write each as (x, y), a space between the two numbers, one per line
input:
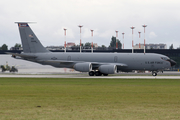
(164, 58)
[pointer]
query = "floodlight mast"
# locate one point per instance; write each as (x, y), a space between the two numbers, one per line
(116, 39)
(144, 38)
(65, 40)
(132, 39)
(80, 26)
(92, 41)
(139, 40)
(123, 39)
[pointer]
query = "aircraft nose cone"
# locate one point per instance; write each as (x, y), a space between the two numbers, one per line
(172, 62)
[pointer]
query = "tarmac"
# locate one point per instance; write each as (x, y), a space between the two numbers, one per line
(165, 75)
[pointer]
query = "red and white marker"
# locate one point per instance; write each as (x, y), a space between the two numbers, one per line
(144, 36)
(116, 39)
(92, 41)
(123, 39)
(139, 40)
(132, 39)
(65, 40)
(80, 26)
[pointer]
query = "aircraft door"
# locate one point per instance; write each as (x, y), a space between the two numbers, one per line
(69, 58)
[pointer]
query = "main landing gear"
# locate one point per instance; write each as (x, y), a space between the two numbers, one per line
(96, 73)
(154, 73)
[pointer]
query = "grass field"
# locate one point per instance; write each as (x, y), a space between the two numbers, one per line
(89, 99)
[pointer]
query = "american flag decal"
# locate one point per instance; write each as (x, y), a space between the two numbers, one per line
(31, 35)
(23, 25)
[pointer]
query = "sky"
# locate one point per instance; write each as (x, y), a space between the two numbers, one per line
(162, 18)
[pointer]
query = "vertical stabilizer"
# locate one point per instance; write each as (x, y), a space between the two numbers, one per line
(30, 42)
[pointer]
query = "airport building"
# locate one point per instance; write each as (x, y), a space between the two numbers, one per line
(151, 46)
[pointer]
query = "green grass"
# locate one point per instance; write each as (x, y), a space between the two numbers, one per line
(89, 99)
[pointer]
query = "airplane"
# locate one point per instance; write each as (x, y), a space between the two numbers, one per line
(94, 63)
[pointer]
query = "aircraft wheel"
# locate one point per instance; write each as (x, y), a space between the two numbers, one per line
(91, 73)
(105, 74)
(97, 73)
(154, 73)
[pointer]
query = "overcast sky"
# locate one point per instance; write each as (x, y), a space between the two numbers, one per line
(103, 16)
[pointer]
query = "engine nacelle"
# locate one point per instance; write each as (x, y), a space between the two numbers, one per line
(83, 67)
(108, 69)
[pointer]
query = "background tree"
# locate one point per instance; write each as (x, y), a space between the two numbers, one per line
(88, 44)
(171, 47)
(103, 46)
(17, 45)
(4, 47)
(113, 43)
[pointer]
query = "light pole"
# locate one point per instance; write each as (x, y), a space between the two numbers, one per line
(123, 39)
(92, 41)
(139, 39)
(144, 37)
(132, 38)
(80, 26)
(116, 39)
(65, 40)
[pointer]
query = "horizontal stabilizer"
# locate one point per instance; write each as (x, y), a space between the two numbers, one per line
(21, 55)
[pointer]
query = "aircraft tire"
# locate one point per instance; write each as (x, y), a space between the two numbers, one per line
(91, 73)
(154, 73)
(105, 74)
(97, 73)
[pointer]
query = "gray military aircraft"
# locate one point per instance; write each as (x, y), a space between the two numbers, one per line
(94, 63)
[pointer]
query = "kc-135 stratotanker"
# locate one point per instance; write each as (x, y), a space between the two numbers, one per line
(94, 63)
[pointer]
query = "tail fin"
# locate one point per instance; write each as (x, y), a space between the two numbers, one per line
(30, 42)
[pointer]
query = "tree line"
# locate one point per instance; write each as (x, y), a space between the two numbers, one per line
(5, 47)
(87, 44)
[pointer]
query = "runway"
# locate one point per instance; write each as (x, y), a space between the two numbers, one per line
(50, 72)
(86, 76)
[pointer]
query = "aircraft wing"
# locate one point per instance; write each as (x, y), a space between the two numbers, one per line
(94, 64)
(117, 64)
(21, 55)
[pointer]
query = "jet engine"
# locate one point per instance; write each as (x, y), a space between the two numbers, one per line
(108, 69)
(83, 67)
